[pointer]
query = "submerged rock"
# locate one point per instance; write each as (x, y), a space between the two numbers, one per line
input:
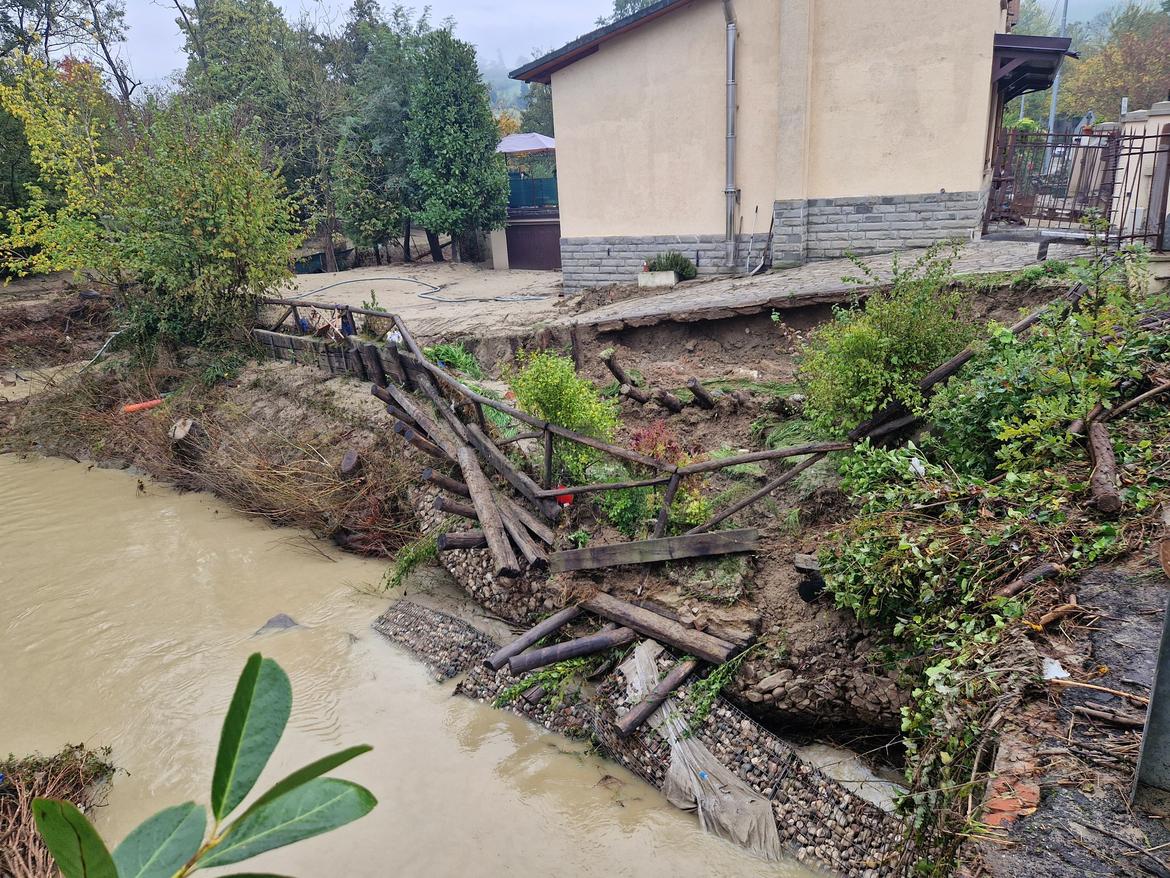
(279, 622)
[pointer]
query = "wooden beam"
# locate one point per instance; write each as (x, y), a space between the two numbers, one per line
(539, 529)
(532, 636)
(445, 482)
(660, 628)
(604, 486)
(466, 510)
(522, 539)
(419, 441)
(517, 479)
(1103, 482)
(461, 539)
(644, 709)
(667, 502)
(754, 456)
(504, 558)
(560, 652)
(649, 551)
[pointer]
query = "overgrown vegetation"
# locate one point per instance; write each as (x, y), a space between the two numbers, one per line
(453, 355)
(875, 354)
(409, 558)
(674, 261)
(997, 486)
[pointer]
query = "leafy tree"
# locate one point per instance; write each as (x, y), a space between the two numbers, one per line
(622, 8)
(507, 123)
(1132, 61)
(538, 109)
(459, 179)
(172, 843)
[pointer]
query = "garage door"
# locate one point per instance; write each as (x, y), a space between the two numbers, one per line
(534, 245)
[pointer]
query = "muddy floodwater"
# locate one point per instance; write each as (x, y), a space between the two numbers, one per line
(126, 612)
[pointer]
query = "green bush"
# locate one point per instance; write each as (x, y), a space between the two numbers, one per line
(627, 510)
(548, 386)
(674, 261)
(873, 355)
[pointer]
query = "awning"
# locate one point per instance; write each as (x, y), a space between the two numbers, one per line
(1024, 64)
(527, 142)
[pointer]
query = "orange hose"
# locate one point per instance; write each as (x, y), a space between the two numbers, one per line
(132, 407)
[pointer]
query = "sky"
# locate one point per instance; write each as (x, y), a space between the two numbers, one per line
(512, 29)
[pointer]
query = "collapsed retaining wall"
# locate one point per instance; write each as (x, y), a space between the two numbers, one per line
(820, 822)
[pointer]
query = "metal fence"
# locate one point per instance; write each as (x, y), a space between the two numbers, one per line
(1046, 182)
(532, 191)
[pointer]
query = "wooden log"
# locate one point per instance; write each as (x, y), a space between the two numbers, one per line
(442, 504)
(609, 357)
(517, 479)
(399, 414)
(1110, 716)
(668, 401)
(505, 563)
(1047, 570)
(394, 367)
(461, 539)
(602, 486)
(667, 502)
(660, 628)
(445, 482)
(1077, 427)
(650, 551)
(419, 441)
(1103, 483)
(757, 495)
(559, 652)
(522, 539)
(1072, 608)
(539, 529)
(637, 394)
(754, 456)
(519, 437)
(703, 397)
(373, 362)
(715, 629)
(533, 635)
(351, 464)
(1136, 401)
(547, 472)
(643, 710)
(427, 385)
(418, 414)
(533, 694)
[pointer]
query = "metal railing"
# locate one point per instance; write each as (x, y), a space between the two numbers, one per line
(532, 192)
(1046, 182)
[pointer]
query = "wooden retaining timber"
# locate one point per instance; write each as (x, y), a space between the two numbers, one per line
(447, 483)
(419, 441)
(609, 358)
(668, 400)
(644, 709)
(461, 539)
(532, 636)
(517, 479)
(649, 551)
(703, 397)
(466, 510)
(503, 557)
(560, 652)
(637, 394)
(539, 529)
(650, 624)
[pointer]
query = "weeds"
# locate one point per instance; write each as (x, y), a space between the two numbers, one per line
(409, 558)
(454, 356)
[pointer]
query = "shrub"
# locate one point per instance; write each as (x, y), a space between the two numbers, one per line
(627, 510)
(548, 386)
(868, 357)
(674, 261)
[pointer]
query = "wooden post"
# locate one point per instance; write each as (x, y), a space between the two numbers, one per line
(518, 480)
(445, 482)
(532, 553)
(489, 516)
(398, 413)
(635, 393)
(1047, 570)
(646, 622)
(668, 400)
(548, 460)
(442, 504)
(1103, 483)
(419, 441)
(643, 710)
(539, 529)
(667, 501)
(559, 652)
(609, 357)
(373, 363)
(757, 495)
(351, 464)
(461, 539)
(392, 358)
(533, 635)
(703, 398)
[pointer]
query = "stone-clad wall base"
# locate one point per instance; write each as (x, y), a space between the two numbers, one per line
(596, 262)
(828, 228)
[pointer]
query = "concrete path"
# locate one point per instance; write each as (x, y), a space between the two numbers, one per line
(814, 283)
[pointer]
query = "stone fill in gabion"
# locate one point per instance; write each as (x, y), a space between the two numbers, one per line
(446, 645)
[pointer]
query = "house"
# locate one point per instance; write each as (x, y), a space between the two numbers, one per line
(531, 235)
(742, 130)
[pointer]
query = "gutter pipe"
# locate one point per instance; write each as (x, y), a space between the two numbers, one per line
(729, 191)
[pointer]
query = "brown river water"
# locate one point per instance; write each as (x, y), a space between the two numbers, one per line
(127, 614)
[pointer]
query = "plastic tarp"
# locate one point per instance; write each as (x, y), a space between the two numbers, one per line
(696, 780)
(527, 142)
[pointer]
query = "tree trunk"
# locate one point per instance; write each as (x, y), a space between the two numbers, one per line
(406, 257)
(330, 253)
(436, 247)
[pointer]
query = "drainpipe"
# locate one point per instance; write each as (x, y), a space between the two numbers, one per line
(729, 190)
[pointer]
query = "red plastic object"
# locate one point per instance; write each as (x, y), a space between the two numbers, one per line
(564, 499)
(132, 407)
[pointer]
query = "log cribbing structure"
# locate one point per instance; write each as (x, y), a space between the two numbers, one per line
(404, 369)
(532, 636)
(560, 652)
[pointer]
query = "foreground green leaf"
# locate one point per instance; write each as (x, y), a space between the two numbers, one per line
(253, 726)
(304, 775)
(321, 805)
(72, 840)
(162, 844)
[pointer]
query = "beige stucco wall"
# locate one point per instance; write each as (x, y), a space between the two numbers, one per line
(899, 96)
(836, 98)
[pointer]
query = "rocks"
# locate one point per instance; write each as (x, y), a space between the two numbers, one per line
(446, 645)
(279, 622)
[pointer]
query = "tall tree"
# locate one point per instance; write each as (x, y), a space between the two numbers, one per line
(622, 8)
(460, 181)
(538, 109)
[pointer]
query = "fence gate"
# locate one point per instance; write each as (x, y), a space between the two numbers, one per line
(1052, 183)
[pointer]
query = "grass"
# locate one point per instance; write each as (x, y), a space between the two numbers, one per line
(771, 388)
(456, 357)
(410, 557)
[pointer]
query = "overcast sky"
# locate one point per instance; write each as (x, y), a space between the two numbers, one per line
(512, 28)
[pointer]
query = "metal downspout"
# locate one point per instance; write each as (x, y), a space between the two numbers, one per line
(729, 190)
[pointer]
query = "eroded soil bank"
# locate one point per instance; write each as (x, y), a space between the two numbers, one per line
(129, 610)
